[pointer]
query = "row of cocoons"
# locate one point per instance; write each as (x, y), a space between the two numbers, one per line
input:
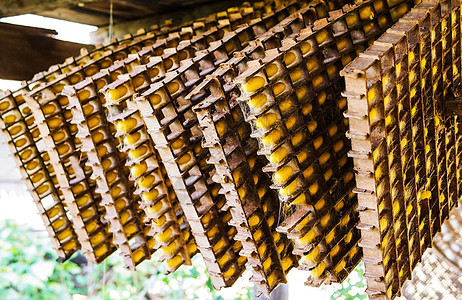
(272, 99)
(62, 149)
(66, 148)
(407, 169)
(294, 111)
(185, 160)
(116, 95)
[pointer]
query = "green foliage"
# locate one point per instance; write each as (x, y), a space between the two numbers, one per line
(28, 270)
(26, 265)
(353, 287)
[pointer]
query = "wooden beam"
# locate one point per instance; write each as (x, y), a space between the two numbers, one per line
(97, 13)
(28, 50)
(179, 16)
(10, 8)
(122, 9)
(77, 15)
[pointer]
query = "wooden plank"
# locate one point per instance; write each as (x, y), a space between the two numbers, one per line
(96, 12)
(179, 15)
(10, 8)
(31, 50)
(122, 9)
(78, 15)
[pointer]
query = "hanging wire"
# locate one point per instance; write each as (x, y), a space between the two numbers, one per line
(111, 19)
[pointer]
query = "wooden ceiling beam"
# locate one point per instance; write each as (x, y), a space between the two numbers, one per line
(179, 16)
(10, 8)
(121, 10)
(79, 15)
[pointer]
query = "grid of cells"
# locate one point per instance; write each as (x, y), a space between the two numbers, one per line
(292, 99)
(236, 136)
(24, 141)
(181, 142)
(402, 142)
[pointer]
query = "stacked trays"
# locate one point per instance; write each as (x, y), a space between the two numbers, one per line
(51, 114)
(26, 145)
(402, 143)
(255, 208)
(235, 136)
(292, 99)
(107, 166)
(175, 133)
(84, 194)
